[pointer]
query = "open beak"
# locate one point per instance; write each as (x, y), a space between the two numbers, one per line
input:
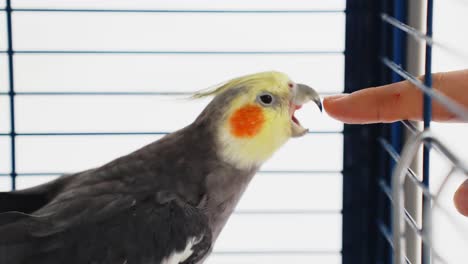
(301, 94)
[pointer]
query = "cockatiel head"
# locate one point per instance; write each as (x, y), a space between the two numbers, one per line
(254, 115)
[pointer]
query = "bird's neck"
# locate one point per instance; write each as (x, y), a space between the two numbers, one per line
(224, 182)
(224, 189)
(209, 180)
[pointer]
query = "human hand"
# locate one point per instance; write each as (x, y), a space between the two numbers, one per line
(402, 101)
(397, 101)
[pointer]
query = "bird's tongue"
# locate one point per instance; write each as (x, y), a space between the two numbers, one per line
(293, 117)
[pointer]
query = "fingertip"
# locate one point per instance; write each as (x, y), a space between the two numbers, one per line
(331, 104)
(460, 198)
(340, 107)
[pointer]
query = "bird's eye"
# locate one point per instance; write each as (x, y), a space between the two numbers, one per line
(266, 99)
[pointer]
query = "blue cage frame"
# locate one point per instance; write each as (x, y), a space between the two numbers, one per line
(361, 165)
(376, 41)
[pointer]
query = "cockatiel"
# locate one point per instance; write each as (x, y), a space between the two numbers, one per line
(167, 202)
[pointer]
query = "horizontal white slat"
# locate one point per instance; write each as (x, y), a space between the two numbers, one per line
(281, 232)
(4, 82)
(4, 114)
(178, 32)
(72, 154)
(184, 4)
(127, 113)
(293, 191)
(3, 31)
(167, 73)
(2, 3)
(23, 182)
(110, 113)
(75, 153)
(274, 259)
(312, 152)
(5, 156)
(5, 183)
(454, 54)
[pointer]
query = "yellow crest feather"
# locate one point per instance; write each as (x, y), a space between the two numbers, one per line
(258, 79)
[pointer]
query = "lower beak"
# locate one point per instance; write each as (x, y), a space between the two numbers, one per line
(302, 94)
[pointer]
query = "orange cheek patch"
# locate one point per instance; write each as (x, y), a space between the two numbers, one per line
(247, 121)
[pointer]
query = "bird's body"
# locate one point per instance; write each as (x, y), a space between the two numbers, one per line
(165, 203)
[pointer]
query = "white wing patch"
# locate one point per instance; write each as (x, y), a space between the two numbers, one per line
(177, 257)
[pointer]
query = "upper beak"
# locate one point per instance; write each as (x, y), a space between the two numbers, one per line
(301, 95)
(305, 94)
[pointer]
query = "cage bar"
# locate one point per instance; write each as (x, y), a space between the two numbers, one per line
(11, 93)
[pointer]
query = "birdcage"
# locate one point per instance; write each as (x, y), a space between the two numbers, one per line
(84, 82)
